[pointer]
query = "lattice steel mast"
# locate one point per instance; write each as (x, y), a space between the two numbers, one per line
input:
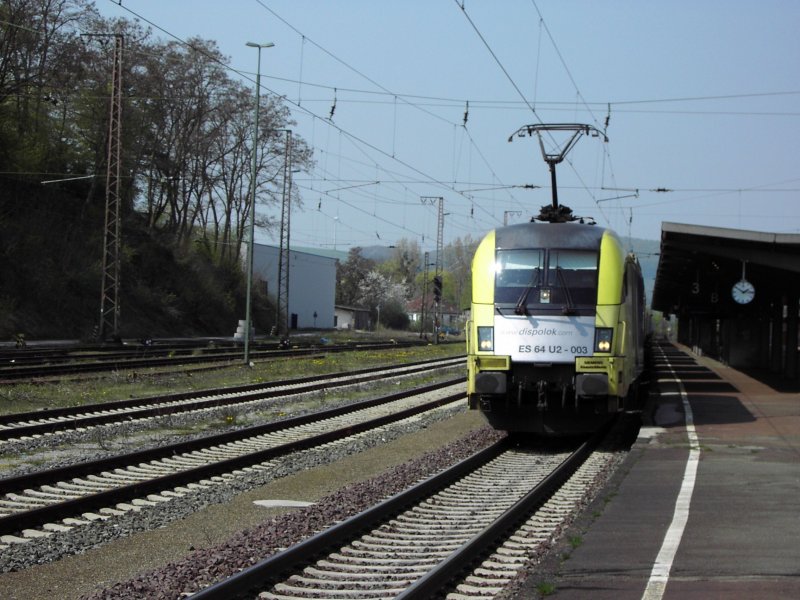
(437, 278)
(283, 252)
(109, 300)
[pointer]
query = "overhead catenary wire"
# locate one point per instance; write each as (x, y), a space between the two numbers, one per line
(631, 103)
(522, 95)
(385, 90)
(358, 141)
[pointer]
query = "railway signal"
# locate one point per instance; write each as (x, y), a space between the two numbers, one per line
(437, 289)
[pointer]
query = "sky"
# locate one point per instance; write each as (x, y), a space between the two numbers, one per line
(404, 101)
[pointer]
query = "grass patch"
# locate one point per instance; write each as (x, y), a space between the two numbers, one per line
(120, 385)
(545, 588)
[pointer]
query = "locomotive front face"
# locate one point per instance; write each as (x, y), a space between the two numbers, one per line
(535, 316)
(545, 304)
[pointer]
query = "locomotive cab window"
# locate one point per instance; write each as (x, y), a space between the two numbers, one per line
(573, 275)
(516, 271)
(557, 279)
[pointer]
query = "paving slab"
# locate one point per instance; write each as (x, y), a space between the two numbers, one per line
(742, 535)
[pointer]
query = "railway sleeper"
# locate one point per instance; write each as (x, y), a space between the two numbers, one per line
(107, 512)
(58, 496)
(15, 506)
(387, 570)
(384, 560)
(381, 552)
(501, 571)
(326, 583)
(90, 516)
(414, 536)
(346, 594)
(405, 546)
(27, 499)
(360, 574)
(475, 589)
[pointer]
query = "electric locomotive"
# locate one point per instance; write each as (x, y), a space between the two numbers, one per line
(555, 340)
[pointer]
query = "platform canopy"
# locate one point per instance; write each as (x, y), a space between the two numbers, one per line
(699, 266)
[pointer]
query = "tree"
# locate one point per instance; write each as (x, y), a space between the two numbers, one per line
(187, 137)
(402, 267)
(350, 276)
(38, 51)
(197, 174)
(384, 299)
(458, 262)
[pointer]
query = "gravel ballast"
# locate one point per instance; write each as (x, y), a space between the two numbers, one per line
(316, 478)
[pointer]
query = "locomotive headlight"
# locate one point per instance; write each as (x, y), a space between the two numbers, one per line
(603, 337)
(544, 296)
(486, 338)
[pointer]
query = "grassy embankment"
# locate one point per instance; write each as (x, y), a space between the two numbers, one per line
(121, 385)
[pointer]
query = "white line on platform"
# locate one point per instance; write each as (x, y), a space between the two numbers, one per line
(659, 576)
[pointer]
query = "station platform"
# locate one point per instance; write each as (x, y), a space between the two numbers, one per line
(706, 505)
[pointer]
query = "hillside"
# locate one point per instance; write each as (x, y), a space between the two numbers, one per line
(50, 267)
(50, 271)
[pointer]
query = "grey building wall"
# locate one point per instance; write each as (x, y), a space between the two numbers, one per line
(312, 284)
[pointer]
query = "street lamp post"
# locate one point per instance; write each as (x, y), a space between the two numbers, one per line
(252, 215)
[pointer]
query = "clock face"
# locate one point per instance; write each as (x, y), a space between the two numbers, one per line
(743, 292)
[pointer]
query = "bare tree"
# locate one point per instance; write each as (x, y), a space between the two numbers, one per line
(458, 261)
(187, 132)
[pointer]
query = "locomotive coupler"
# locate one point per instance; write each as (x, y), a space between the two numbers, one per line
(541, 392)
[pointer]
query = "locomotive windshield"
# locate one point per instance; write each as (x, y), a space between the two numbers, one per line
(545, 279)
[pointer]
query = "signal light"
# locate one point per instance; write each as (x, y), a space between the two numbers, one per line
(437, 288)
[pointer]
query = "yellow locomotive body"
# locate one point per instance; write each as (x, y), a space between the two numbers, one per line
(555, 340)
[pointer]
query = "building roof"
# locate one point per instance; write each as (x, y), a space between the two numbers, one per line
(698, 266)
(318, 252)
(351, 308)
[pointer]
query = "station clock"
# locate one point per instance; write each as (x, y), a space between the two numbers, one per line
(743, 291)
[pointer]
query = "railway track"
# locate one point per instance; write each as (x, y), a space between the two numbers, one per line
(18, 365)
(33, 355)
(484, 517)
(40, 504)
(25, 426)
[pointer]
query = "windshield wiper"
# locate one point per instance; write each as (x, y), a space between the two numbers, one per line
(522, 304)
(569, 309)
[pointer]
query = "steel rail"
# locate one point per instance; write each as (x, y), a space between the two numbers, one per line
(154, 406)
(20, 482)
(446, 571)
(55, 512)
(13, 373)
(278, 564)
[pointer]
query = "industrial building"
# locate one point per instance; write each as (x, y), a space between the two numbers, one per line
(312, 285)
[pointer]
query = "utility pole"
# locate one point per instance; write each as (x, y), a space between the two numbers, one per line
(283, 252)
(251, 231)
(109, 296)
(424, 296)
(437, 278)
